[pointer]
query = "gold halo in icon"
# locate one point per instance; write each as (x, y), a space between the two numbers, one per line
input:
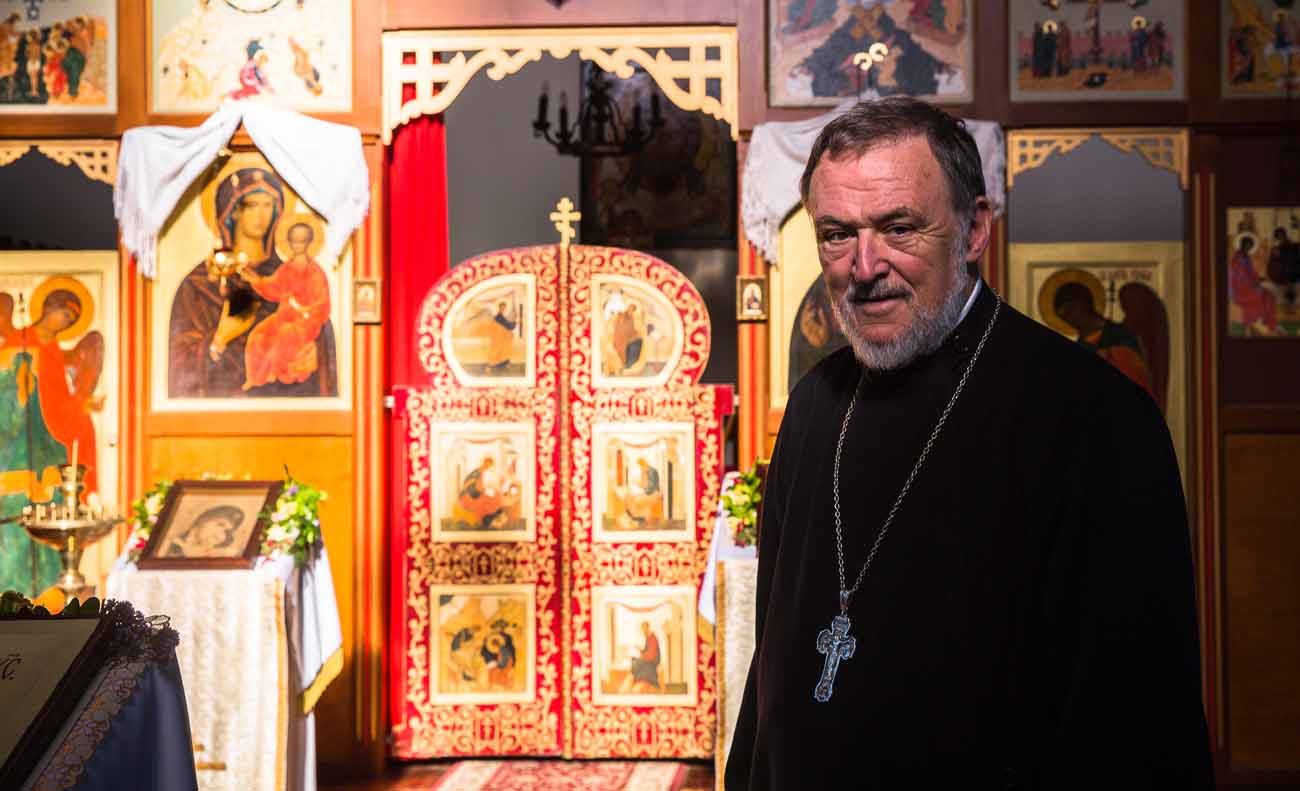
(1047, 296)
(82, 293)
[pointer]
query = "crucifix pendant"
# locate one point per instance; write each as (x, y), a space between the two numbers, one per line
(837, 645)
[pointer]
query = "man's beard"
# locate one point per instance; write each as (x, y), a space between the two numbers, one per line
(925, 333)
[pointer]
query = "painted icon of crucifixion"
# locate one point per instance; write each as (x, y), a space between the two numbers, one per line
(1092, 18)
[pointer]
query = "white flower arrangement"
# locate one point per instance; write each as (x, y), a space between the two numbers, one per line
(293, 523)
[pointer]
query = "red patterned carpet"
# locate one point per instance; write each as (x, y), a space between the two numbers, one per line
(563, 776)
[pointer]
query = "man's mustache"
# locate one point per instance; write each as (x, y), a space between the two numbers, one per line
(874, 290)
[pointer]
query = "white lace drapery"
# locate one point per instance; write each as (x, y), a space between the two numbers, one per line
(321, 161)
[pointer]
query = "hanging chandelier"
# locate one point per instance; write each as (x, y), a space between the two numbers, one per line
(600, 130)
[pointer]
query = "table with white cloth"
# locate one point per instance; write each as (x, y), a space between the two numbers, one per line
(257, 648)
(727, 600)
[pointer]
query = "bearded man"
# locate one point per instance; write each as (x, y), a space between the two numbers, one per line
(974, 561)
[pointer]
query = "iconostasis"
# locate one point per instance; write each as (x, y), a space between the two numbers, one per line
(61, 346)
(276, 372)
(1110, 237)
(1113, 279)
(160, 382)
(556, 479)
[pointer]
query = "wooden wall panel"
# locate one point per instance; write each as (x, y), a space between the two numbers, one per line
(419, 14)
(751, 350)
(1262, 567)
(134, 50)
(1255, 171)
(340, 452)
(365, 72)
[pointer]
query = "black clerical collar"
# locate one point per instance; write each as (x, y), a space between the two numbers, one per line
(975, 317)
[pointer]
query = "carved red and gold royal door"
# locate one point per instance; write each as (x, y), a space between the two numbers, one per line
(554, 485)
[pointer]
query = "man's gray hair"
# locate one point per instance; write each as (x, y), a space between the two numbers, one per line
(890, 120)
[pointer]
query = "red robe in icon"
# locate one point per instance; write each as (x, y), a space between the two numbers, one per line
(282, 348)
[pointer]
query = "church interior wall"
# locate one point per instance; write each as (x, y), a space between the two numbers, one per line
(340, 452)
(1096, 193)
(1258, 170)
(1249, 410)
(1259, 422)
(1262, 497)
(36, 235)
(38, 218)
(489, 141)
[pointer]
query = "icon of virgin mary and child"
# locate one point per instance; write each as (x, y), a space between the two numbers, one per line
(263, 330)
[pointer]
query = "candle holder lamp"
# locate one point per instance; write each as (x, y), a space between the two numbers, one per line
(70, 526)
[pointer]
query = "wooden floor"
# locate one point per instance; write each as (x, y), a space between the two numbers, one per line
(421, 777)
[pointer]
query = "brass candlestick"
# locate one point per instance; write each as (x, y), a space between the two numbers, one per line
(69, 527)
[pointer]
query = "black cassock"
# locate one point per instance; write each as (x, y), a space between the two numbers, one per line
(1029, 620)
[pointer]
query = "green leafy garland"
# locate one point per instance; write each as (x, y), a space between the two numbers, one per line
(741, 505)
(293, 524)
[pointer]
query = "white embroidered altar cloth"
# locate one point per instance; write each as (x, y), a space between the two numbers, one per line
(256, 649)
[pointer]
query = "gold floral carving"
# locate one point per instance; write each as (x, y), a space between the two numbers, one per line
(1028, 150)
(566, 509)
(13, 150)
(96, 158)
(439, 64)
(1163, 148)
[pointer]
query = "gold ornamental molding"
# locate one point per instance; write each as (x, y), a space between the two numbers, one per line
(1028, 150)
(13, 150)
(437, 65)
(1163, 148)
(97, 159)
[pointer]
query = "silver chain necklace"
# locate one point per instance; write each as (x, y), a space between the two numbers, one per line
(835, 642)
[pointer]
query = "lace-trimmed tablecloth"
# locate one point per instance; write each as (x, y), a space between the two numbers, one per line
(256, 650)
(129, 730)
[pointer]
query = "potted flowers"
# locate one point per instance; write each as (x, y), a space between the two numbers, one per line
(740, 503)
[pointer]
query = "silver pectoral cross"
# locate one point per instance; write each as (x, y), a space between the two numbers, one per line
(837, 645)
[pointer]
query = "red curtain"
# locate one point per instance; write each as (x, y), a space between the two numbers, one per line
(418, 250)
(415, 176)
